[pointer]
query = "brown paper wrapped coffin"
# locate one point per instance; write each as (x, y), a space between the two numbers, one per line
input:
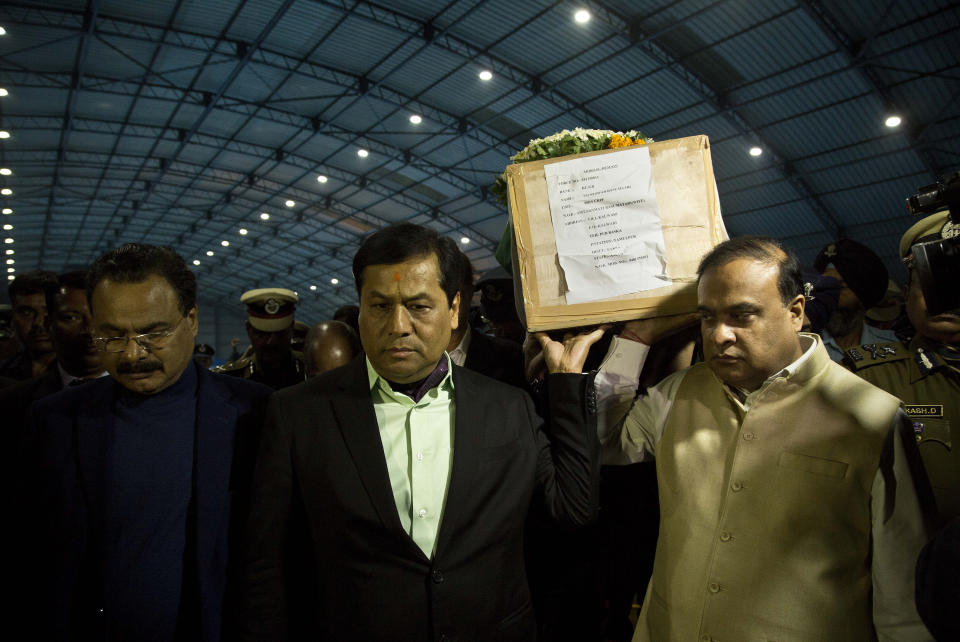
(689, 216)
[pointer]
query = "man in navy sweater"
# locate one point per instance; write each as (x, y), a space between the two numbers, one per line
(133, 485)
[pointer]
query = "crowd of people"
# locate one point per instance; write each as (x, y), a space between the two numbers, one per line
(777, 465)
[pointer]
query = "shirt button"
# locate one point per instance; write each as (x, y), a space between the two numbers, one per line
(747, 436)
(704, 638)
(736, 486)
(724, 536)
(420, 456)
(436, 576)
(714, 587)
(422, 513)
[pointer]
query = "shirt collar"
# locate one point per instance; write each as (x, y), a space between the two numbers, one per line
(459, 354)
(375, 380)
(808, 343)
(66, 378)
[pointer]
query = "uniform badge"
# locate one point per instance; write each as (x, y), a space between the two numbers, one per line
(918, 430)
(830, 250)
(923, 409)
(923, 361)
(949, 230)
(855, 354)
(272, 306)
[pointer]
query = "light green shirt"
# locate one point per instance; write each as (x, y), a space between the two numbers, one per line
(418, 445)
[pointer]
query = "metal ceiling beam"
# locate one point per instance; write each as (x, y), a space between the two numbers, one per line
(126, 120)
(211, 100)
(852, 52)
(83, 47)
(715, 99)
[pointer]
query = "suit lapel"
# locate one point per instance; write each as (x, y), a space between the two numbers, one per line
(216, 420)
(357, 421)
(94, 432)
(468, 439)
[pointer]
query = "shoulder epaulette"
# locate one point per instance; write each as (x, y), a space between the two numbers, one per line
(232, 366)
(871, 354)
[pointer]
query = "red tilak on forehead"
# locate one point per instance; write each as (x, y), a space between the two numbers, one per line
(396, 276)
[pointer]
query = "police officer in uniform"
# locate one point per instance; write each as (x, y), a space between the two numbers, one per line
(925, 374)
(271, 360)
(203, 354)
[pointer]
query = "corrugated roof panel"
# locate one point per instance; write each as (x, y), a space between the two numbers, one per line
(534, 48)
(484, 24)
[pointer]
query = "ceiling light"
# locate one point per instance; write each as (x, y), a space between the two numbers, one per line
(415, 119)
(10, 252)
(486, 74)
(3, 92)
(755, 151)
(4, 133)
(209, 252)
(264, 216)
(225, 243)
(8, 227)
(3, 31)
(196, 261)
(321, 178)
(11, 277)
(362, 153)
(464, 240)
(11, 270)
(289, 203)
(8, 240)
(582, 16)
(6, 191)
(893, 121)
(5, 171)
(11, 261)
(313, 287)
(7, 210)
(242, 231)
(334, 280)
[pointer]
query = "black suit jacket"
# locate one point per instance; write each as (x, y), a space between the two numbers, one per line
(322, 483)
(496, 358)
(63, 495)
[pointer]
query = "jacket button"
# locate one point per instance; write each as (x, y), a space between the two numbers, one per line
(737, 486)
(437, 576)
(714, 587)
(747, 436)
(724, 536)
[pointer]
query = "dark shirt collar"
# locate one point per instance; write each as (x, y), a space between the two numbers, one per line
(417, 389)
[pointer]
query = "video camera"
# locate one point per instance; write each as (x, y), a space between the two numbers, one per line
(937, 262)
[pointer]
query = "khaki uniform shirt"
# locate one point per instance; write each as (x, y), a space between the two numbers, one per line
(929, 386)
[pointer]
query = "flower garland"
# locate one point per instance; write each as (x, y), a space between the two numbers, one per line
(566, 143)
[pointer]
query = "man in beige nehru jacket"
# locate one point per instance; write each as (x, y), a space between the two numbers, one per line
(789, 490)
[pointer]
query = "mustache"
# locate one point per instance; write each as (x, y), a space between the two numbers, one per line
(137, 367)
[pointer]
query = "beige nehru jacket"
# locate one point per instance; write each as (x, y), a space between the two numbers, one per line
(790, 515)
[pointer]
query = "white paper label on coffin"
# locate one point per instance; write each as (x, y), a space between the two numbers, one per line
(606, 225)
(690, 221)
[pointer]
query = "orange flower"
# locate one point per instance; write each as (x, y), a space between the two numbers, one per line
(616, 140)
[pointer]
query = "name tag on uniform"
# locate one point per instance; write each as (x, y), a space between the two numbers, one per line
(923, 410)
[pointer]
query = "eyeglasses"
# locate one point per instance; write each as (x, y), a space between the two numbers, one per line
(150, 341)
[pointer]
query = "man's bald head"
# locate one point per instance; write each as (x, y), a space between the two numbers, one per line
(329, 345)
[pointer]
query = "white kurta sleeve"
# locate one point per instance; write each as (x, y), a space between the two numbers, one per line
(630, 426)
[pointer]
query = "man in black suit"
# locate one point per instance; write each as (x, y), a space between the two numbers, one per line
(133, 484)
(494, 357)
(68, 327)
(390, 495)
